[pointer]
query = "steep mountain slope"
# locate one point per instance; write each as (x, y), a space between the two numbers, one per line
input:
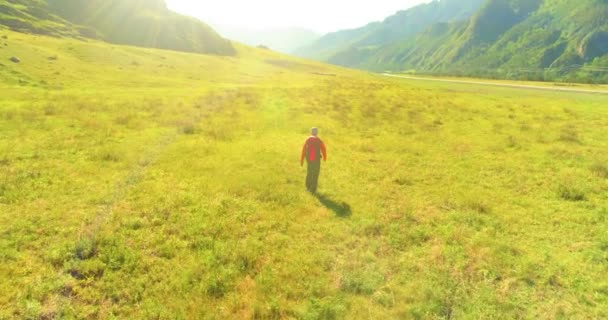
(443, 44)
(534, 39)
(285, 40)
(33, 16)
(145, 23)
(403, 25)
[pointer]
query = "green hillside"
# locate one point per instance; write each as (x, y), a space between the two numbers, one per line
(146, 23)
(147, 184)
(515, 39)
(531, 39)
(400, 26)
(33, 16)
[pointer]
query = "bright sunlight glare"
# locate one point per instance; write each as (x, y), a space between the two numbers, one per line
(317, 15)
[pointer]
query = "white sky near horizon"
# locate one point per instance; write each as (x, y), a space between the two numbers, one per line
(318, 15)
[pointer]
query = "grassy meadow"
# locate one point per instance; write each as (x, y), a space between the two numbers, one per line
(147, 184)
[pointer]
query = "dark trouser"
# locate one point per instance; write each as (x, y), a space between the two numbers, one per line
(312, 176)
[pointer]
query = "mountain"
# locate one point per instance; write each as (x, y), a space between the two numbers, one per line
(517, 39)
(285, 40)
(34, 16)
(531, 39)
(145, 23)
(403, 25)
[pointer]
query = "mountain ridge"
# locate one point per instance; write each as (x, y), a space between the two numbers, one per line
(552, 40)
(144, 23)
(402, 25)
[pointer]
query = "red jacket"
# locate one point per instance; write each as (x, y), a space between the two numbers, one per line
(313, 149)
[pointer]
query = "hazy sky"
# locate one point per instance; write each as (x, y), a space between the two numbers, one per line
(317, 15)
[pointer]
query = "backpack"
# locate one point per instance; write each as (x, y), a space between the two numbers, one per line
(313, 149)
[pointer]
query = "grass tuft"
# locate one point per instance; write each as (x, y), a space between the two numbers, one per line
(217, 288)
(87, 269)
(327, 309)
(85, 249)
(110, 155)
(600, 170)
(569, 135)
(361, 282)
(512, 142)
(571, 193)
(189, 129)
(477, 205)
(403, 182)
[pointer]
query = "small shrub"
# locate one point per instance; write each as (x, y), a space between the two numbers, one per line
(33, 309)
(569, 112)
(57, 257)
(189, 129)
(512, 142)
(167, 251)
(275, 309)
(110, 156)
(30, 116)
(87, 269)
(50, 110)
(264, 311)
(85, 249)
(413, 115)
(600, 170)
(603, 245)
(134, 223)
(569, 135)
(478, 206)
(9, 115)
(123, 120)
(571, 193)
(373, 230)
(324, 309)
(417, 236)
(385, 298)
(361, 282)
(403, 182)
(246, 262)
(216, 288)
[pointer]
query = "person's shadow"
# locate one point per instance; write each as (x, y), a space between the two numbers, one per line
(341, 209)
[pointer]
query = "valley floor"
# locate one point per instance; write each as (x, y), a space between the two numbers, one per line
(546, 86)
(140, 184)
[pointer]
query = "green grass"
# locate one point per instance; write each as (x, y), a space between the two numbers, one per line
(138, 183)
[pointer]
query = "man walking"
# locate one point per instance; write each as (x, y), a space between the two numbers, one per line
(313, 149)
